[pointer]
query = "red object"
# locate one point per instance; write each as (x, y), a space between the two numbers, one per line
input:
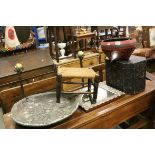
(11, 34)
(118, 48)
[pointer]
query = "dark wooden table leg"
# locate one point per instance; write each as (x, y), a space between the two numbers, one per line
(50, 41)
(56, 42)
(21, 85)
(96, 83)
(89, 90)
(81, 65)
(58, 87)
(73, 43)
(85, 45)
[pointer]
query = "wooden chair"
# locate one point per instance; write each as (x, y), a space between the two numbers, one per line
(60, 33)
(106, 32)
(80, 73)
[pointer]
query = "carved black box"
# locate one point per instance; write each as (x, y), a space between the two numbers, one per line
(127, 76)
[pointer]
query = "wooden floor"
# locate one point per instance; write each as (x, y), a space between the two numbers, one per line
(31, 60)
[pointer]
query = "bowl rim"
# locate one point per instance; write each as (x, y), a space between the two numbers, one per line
(117, 39)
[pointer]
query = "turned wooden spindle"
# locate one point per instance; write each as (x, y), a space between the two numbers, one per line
(81, 56)
(19, 69)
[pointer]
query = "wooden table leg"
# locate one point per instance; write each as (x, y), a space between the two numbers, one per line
(89, 90)
(58, 87)
(96, 83)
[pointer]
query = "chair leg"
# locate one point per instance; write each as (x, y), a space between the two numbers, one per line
(58, 88)
(96, 83)
(89, 85)
(89, 90)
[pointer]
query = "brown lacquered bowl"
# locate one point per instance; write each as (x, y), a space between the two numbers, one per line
(118, 48)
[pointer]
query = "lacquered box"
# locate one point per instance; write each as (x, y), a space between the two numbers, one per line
(127, 76)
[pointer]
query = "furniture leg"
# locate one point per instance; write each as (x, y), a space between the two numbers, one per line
(89, 85)
(85, 45)
(96, 83)
(56, 41)
(50, 41)
(21, 85)
(89, 90)
(81, 65)
(78, 45)
(73, 44)
(94, 45)
(58, 87)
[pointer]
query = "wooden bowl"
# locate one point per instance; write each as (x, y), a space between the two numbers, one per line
(118, 48)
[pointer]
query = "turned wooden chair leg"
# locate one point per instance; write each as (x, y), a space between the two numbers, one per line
(89, 85)
(58, 87)
(89, 90)
(96, 83)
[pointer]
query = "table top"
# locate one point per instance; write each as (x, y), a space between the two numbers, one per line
(31, 60)
(81, 118)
